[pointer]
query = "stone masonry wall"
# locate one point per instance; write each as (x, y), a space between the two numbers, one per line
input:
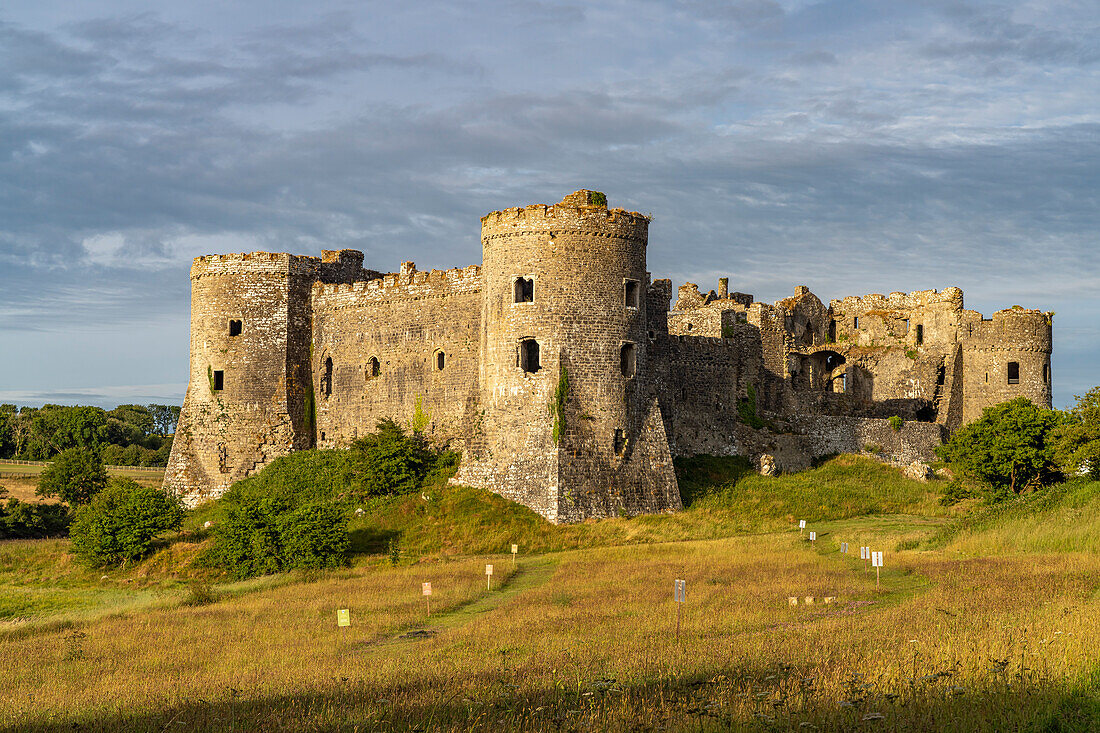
(422, 329)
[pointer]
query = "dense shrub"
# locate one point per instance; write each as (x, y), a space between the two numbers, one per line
(20, 520)
(1077, 441)
(391, 462)
(1008, 448)
(75, 476)
(294, 513)
(122, 521)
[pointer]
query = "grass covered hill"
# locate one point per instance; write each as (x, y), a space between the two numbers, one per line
(982, 619)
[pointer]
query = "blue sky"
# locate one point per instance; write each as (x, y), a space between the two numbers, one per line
(854, 147)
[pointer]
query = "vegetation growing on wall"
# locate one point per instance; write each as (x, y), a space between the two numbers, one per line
(597, 198)
(746, 409)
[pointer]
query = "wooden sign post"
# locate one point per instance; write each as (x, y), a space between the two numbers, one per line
(876, 560)
(681, 594)
(801, 526)
(343, 621)
(515, 550)
(488, 577)
(426, 589)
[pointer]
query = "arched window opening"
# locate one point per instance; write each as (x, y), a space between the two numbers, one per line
(326, 378)
(631, 293)
(440, 361)
(374, 367)
(808, 335)
(1013, 372)
(689, 327)
(628, 360)
(235, 327)
(832, 330)
(524, 290)
(528, 357)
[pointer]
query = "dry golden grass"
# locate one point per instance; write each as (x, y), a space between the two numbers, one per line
(945, 644)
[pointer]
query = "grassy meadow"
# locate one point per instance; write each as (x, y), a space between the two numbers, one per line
(983, 621)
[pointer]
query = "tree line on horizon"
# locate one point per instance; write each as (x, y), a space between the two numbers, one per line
(128, 435)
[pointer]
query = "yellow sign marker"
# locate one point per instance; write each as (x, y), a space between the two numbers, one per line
(343, 617)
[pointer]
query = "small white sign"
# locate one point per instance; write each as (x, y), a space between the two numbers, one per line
(515, 549)
(426, 588)
(844, 547)
(681, 590)
(813, 536)
(343, 617)
(488, 569)
(802, 524)
(863, 553)
(876, 559)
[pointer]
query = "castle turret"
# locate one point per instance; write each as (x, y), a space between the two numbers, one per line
(569, 413)
(1005, 357)
(249, 396)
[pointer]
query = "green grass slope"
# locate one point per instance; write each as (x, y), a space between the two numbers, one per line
(1063, 518)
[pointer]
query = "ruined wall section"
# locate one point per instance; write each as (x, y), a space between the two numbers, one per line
(572, 460)
(245, 396)
(403, 346)
(701, 384)
(903, 351)
(1018, 336)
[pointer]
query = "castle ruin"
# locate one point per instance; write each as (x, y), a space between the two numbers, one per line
(559, 370)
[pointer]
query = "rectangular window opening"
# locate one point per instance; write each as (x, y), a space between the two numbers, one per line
(528, 356)
(855, 322)
(628, 360)
(1013, 372)
(219, 380)
(620, 441)
(524, 290)
(920, 334)
(631, 289)
(235, 327)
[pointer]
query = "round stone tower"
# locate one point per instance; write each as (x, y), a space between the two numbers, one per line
(1005, 357)
(248, 396)
(564, 369)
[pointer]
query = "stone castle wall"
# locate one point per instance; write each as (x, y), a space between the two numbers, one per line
(560, 372)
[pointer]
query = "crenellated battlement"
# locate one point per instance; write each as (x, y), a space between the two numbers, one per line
(244, 263)
(898, 301)
(594, 219)
(408, 284)
(1017, 329)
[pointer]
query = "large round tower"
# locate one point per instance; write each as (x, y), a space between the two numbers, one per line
(248, 394)
(564, 372)
(1005, 357)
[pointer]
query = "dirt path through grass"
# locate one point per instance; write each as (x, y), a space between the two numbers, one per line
(531, 573)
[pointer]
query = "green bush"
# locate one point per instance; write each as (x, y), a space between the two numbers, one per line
(1008, 448)
(294, 513)
(895, 422)
(75, 476)
(122, 521)
(390, 462)
(1076, 441)
(23, 521)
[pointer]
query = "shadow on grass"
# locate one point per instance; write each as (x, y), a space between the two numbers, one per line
(773, 698)
(371, 540)
(700, 476)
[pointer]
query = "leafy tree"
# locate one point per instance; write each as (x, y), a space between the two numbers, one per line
(75, 477)
(1008, 448)
(122, 521)
(165, 418)
(8, 414)
(1077, 441)
(138, 417)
